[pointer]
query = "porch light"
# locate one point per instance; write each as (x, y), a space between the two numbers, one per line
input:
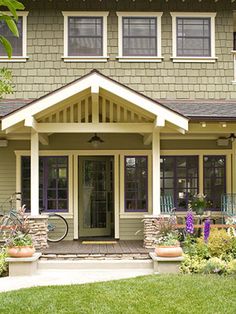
(95, 140)
(203, 124)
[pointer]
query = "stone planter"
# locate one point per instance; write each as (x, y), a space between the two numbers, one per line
(21, 251)
(168, 251)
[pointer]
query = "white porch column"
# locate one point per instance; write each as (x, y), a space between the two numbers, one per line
(233, 170)
(156, 174)
(34, 174)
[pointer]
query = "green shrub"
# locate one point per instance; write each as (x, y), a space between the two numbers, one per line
(231, 267)
(192, 264)
(3, 264)
(214, 265)
(219, 243)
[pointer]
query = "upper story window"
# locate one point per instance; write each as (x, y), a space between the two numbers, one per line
(139, 36)
(18, 43)
(85, 36)
(193, 37)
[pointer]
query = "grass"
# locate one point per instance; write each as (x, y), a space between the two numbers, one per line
(170, 294)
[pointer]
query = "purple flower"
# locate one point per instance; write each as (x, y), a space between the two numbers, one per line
(207, 226)
(189, 222)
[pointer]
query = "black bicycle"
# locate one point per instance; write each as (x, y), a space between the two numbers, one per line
(57, 227)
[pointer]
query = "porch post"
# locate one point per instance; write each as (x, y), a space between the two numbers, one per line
(34, 174)
(233, 171)
(156, 191)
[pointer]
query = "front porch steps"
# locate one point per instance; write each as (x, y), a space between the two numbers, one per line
(96, 265)
(93, 256)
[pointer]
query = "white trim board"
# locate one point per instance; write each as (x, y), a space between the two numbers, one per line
(175, 57)
(121, 57)
(24, 56)
(103, 15)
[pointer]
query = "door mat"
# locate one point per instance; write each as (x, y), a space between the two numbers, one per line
(99, 242)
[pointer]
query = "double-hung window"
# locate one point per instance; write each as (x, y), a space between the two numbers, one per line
(139, 36)
(18, 43)
(193, 37)
(85, 36)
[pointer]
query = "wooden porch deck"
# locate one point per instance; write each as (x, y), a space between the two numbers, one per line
(76, 247)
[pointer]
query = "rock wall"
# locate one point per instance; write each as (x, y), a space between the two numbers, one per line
(39, 231)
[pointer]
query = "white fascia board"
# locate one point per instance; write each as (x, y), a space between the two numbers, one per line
(85, 83)
(143, 102)
(46, 102)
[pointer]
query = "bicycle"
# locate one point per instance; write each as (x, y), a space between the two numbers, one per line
(57, 227)
(12, 219)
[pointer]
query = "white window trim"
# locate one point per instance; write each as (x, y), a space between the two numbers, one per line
(24, 56)
(210, 15)
(102, 58)
(120, 57)
(19, 154)
(137, 214)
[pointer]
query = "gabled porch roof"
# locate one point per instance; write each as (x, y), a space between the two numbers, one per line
(94, 84)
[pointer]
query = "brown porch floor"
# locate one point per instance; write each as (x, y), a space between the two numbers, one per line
(76, 247)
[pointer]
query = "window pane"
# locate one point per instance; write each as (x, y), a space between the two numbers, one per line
(16, 42)
(179, 178)
(214, 179)
(136, 180)
(193, 37)
(139, 36)
(53, 178)
(85, 36)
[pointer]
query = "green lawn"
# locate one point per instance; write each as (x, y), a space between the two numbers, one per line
(151, 294)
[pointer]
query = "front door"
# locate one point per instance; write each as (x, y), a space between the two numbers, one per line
(96, 204)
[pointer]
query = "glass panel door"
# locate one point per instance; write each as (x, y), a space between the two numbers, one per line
(95, 196)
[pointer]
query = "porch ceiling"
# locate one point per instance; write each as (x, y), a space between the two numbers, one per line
(94, 100)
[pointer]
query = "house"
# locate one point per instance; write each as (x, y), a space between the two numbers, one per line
(117, 103)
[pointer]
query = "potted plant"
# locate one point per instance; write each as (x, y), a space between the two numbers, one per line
(18, 242)
(167, 242)
(198, 203)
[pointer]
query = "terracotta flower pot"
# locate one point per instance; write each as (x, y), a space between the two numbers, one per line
(21, 251)
(168, 251)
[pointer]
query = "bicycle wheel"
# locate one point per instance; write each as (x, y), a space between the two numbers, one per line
(57, 228)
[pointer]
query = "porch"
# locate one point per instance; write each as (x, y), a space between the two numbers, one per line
(120, 249)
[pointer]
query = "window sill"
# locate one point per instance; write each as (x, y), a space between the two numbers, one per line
(139, 59)
(194, 59)
(133, 215)
(14, 59)
(85, 59)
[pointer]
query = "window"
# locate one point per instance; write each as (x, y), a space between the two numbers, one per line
(136, 183)
(234, 42)
(214, 179)
(139, 36)
(18, 43)
(85, 36)
(193, 37)
(53, 183)
(179, 178)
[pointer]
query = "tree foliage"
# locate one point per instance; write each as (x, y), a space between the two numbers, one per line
(10, 20)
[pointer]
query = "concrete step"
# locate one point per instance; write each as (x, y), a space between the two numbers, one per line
(95, 264)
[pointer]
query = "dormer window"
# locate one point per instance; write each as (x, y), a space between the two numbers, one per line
(139, 36)
(85, 36)
(193, 37)
(18, 43)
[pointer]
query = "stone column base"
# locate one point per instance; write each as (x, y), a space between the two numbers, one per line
(39, 231)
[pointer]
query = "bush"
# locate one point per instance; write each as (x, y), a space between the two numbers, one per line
(3, 264)
(214, 265)
(219, 243)
(231, 267)
(192, 264)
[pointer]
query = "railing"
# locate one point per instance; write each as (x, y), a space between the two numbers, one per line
(228, 204)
